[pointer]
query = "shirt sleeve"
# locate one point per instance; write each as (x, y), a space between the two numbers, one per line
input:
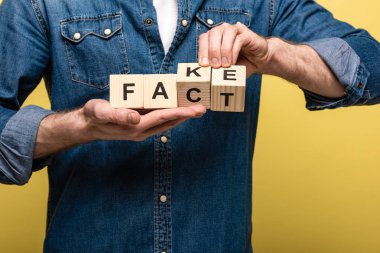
(24, 59)
(352, 54)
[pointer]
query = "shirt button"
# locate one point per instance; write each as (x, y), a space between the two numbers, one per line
(77, 36)
(149, 21)
(163, 198)
(164, 139)
(360, 85)
(184, 22)
(210, 21)
(107, 32)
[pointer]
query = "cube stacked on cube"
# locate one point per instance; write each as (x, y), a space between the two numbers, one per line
(220, 89)
(193, 84)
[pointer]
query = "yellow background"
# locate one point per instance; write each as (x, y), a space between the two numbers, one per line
(316, 174)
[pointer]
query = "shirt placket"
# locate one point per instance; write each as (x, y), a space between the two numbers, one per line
(162, 193)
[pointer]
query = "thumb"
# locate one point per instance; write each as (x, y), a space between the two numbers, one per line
(252, 43)
(101, 111)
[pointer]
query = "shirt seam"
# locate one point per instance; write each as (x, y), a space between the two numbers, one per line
(271, 17)
(42, 23)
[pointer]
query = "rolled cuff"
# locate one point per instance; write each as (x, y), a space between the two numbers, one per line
(348, 69)
(17, 143)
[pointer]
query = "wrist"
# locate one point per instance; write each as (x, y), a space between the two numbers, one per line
(71, 127)
(59, 131)
(82, 127)
(286, 60)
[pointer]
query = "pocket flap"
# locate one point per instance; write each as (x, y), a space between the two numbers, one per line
(75, 29)
(215, 17)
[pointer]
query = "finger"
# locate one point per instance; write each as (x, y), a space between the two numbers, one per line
(229, 36)
(203, 50)
(246, 39)
(242, 29)
(102, 111)
(159, 117)
(237, 46)
(123, 116)
(253, 43)
(214, 44)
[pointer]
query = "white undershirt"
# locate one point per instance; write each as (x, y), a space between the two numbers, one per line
(167, 14)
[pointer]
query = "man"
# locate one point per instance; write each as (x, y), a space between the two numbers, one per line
(125, 182)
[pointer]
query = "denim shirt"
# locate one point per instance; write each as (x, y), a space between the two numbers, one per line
(105, 196)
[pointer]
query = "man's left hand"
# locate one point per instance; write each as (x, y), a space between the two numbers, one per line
(227, 45)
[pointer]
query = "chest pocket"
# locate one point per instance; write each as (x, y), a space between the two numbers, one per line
(211, 17)
(95, 48)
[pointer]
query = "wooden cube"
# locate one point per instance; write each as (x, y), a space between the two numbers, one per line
(193, 84)
(127, 91)
(228, 89)
(160, 91)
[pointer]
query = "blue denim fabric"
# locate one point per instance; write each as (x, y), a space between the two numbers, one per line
(104, 196)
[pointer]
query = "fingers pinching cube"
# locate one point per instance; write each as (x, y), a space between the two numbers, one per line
(193, 85)
(228, 89)
(127, 91)
(160, 91)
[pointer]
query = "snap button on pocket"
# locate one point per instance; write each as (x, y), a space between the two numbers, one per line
(77, 36)
(107, 32)
(210, 21)
(210, 18)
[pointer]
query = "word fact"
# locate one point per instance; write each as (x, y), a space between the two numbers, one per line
(220, 89)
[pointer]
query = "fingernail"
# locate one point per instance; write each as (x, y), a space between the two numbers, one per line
(204, 61)
(132, 118)
(215, 61)
(200, 110)
(225, 61)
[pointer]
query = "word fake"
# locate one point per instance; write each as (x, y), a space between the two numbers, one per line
(220, 89)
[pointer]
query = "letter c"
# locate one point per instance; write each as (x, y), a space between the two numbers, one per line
(188, 95)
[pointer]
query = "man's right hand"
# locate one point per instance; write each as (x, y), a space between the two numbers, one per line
(97, 120)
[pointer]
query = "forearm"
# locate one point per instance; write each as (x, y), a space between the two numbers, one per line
(301, 64)
(60, 131)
